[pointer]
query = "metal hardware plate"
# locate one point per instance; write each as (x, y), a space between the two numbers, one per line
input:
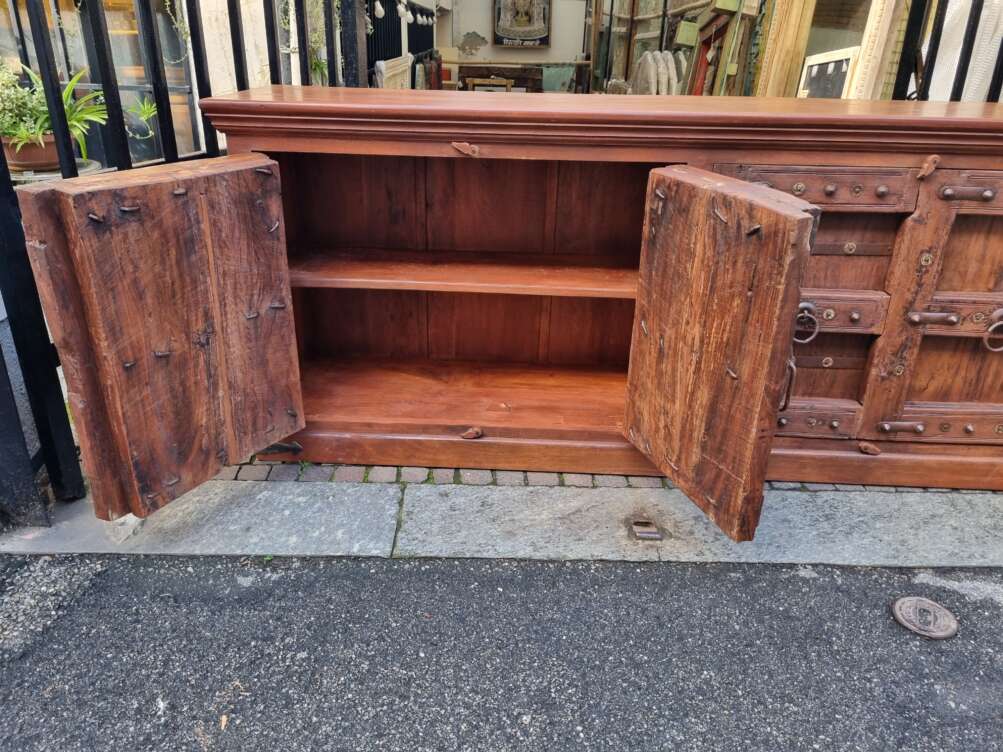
(925, 617)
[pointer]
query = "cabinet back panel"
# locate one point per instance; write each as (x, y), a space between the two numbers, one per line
(600, 208)
(973, 257)
(489, 205)
(463, 326)
(341, 200)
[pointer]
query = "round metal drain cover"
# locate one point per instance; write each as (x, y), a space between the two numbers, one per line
(924, 617)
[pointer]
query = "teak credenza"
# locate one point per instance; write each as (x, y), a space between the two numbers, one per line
(544, 282)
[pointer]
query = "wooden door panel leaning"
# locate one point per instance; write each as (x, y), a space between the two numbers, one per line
(721, 264)
(167, 291)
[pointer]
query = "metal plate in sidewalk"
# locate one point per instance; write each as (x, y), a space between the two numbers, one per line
(925, 617)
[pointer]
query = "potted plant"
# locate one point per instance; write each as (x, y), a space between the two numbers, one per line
(27, 128)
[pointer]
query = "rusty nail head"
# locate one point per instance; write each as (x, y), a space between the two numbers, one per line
(857, 189)
(644, 529)
(798, 188)
(180, 191)
(978, 317)
(95, 217)
(827, 362)
(829, 314)
(644, 327)
(945, 427)
(830, 189)
(755, 229)
(660, 193)
(899, 369)
(849, 248)
(925, 617)
(926, 259)
(999, 428)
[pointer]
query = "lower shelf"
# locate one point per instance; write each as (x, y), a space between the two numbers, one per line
(560, 420)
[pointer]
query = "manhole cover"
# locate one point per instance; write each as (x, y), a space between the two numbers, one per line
(924, 617)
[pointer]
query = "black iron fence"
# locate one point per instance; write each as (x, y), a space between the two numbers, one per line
(359, 48)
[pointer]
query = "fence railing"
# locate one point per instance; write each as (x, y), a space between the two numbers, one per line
(348, 60)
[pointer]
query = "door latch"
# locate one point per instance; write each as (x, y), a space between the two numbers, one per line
(806, 321)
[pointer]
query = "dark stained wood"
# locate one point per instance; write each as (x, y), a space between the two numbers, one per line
(511, 274)
(183, 356)
(721, 262)
(487, 205)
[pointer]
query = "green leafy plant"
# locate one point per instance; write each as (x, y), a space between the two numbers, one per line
(36, 123)
(143, 111)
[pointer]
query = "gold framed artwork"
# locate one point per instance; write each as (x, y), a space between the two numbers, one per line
(828, 75)
(522, 23)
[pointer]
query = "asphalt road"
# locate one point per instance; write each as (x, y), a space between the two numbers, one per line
(225, 654)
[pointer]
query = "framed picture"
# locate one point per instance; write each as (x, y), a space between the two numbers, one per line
(522, 23)
(827, 75)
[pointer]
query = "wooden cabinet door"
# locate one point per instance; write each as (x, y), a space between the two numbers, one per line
(721, 264)
(167, 292)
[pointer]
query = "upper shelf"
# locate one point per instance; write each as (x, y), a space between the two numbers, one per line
(508, 274)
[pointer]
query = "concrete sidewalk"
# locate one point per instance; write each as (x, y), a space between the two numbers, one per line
(800, 525)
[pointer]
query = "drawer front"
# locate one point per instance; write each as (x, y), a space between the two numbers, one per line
(838, 188)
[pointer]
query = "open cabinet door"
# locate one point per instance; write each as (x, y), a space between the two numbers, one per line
(167, 292)
(717, 299)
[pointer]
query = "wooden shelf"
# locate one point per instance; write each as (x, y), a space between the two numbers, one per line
(451, 396)
(510, 274)
(532, 417)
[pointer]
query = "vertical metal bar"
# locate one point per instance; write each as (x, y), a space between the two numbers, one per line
(911, 44)
(103, 72)
(31, 340)
(967, 45)
(21, 501)
(22, 44)
(996, 83)
(665, 18)
(272, 43)
(302, 41)
(201, 66)
(237, 42)
(332, 53)
(353, 41)
(154, 58)
(931, 53)
(53, 89)
(57, 19)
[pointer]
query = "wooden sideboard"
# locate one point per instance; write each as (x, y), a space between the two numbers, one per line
(502, 281)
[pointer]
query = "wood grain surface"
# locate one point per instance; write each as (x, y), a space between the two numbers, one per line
(170, 290)
(720, 267)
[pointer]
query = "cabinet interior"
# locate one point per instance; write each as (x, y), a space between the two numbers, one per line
(434, 295)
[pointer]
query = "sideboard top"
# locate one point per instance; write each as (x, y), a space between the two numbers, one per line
(612, 120)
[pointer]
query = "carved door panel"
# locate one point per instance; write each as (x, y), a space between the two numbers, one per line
(938, 376)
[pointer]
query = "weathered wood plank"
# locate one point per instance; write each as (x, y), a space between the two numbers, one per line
(718, 292)
(170, 291)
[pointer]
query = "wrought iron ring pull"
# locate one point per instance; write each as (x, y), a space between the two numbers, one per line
(995, 329)
(806, 320)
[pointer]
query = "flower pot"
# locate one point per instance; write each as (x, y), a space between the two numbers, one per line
(31, 156)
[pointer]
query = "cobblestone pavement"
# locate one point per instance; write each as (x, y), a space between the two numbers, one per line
(257, 469)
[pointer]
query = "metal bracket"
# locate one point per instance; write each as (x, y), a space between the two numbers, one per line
(280, 447)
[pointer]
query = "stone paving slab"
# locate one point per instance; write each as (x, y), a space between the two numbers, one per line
(836, 527)
(233, 518)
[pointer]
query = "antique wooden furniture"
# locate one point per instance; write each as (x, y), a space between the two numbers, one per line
(468, 288)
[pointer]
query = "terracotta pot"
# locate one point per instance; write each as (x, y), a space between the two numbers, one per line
(32, 156)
